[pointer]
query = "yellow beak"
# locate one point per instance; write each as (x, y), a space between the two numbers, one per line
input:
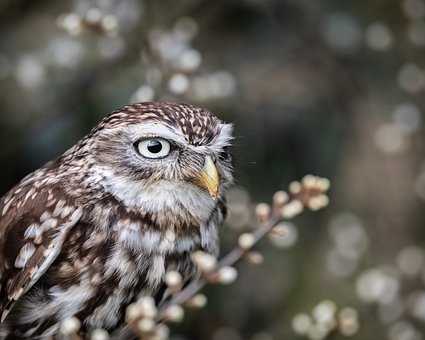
(209, 178)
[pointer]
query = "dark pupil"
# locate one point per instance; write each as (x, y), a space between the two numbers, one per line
(154, 146)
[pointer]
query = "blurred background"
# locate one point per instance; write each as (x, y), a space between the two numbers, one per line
(332, 88)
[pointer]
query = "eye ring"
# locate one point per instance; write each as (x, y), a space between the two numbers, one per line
(153, 148)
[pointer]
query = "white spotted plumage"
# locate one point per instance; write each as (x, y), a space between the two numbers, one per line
(97, 228)
(24, 255)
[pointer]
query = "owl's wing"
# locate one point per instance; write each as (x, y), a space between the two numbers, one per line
(33, 226)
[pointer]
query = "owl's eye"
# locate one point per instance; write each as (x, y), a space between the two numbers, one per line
(153, 148)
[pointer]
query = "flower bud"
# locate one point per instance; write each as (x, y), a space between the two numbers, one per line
(145, 307)
(246, 241)
(254, 257)
(348, 321)
(198, 301)
(148, 307)
(173, 280)
(205, 262)
(227, 275)
(71, 23)
(174, 313)
(109, 23)
(318, 202)
(262, 211)
(70, 326)
(292, 209)
(284, 235)
(146, 325)
(99, 334)
(309, 181)
(323, 184)
(133, 312)
(161, 332)
(301, 324)
(295, 187)
(280, 198)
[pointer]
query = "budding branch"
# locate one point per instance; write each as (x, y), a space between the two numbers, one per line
(310, 193)
(230, 259)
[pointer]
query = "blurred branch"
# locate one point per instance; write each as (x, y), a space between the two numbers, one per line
(310, 193)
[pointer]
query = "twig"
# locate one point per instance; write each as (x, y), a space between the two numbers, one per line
(310, 193)
(228, 260)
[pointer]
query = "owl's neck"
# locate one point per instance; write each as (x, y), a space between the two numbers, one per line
(163, 216)
(154, 233)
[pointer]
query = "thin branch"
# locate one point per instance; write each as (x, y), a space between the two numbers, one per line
(310, 193)
(228, 260)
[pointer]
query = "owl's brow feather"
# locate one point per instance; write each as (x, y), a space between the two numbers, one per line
(221, 140)
(155, 129)
(199, 126)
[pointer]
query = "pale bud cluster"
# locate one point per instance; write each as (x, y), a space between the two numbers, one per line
(70, 326)
(348, 321)
(254, 257)
(144, 308)
(326, 319)
(71, 23)
(142, 313)
(143, 316)
(198, 301)
(318, 202)
(205, 262)
(226, 275)
(295, 187)
(99, 334)
(310, 192)
(262, 211)
(284, 235)
(246, 241)
(146, 325)
(162, 332)
(174, 313)
(93, 20)
(170, 52)
(317, 183)
(292, 209)
(280, 198)
(148, 330)
(173, 280)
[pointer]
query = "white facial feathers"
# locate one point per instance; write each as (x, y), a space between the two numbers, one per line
(162, 197)
(166, 188)
(222, 139)
(154, 129)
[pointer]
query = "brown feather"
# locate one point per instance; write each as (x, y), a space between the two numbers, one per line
(23, 212)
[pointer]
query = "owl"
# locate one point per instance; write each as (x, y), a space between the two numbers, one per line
(99, 227)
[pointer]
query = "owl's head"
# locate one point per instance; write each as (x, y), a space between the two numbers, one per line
(160, 156)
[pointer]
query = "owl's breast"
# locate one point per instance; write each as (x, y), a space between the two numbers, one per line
(96, 276)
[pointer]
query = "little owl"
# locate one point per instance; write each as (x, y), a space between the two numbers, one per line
(96, 229)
